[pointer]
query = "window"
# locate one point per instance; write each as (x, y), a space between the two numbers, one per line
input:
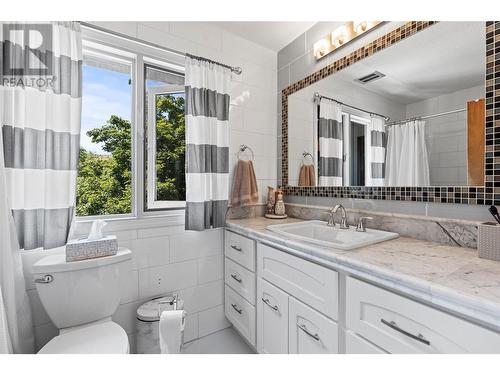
(132, 144)
(166, 146)
(104, 182)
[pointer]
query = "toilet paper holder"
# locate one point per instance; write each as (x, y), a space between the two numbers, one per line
(171, 303)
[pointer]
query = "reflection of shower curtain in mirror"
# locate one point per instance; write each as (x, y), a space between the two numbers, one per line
(330, 145)
(376, 153)
(407, 160)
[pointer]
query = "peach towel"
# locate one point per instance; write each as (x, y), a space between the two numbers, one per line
(307, 176)
(245, 189)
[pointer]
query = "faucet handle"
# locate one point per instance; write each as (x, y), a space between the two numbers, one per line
(361, 226)
(331, 220)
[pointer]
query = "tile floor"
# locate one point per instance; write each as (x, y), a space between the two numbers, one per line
(226, 341)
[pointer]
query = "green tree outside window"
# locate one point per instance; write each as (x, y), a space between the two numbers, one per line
(104, 182)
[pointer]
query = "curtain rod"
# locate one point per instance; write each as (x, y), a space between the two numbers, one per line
(235, 69)
(399, 122)
(318, 96)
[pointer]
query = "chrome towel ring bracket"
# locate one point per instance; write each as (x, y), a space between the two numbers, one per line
(242, 149)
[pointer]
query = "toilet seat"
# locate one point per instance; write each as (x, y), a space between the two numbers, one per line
(99, 338)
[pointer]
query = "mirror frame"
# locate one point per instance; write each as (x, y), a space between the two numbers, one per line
(488, 194)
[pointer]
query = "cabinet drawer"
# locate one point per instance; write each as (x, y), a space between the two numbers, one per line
(310, 332)
(272, 319)
(401, 325)
(240, 279)
(240, 249)
(357, 345)
(315, 285)
(241, 314)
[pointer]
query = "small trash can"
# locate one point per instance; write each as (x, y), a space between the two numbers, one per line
(148, 321)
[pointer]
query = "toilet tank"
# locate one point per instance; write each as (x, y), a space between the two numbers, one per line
(80, 292)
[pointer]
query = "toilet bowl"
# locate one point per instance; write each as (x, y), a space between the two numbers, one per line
(80, 298)
(99, 338)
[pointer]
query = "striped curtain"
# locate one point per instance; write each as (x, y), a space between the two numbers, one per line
(376, 152)
(40, 110)
(207, 144)
(330, 147)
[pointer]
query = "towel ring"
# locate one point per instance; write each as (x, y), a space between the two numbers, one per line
(243, 148)
(305, 154)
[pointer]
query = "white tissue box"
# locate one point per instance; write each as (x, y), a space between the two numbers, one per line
(87, 249)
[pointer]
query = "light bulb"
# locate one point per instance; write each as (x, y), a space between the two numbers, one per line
(360, 26)
(322, 47)
(339, 36)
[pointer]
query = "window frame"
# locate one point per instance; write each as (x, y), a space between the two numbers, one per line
(142, 54)
(152, 203)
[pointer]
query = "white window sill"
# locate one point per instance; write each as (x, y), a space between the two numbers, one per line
(128, 222)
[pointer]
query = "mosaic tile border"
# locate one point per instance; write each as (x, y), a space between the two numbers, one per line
(486, 195)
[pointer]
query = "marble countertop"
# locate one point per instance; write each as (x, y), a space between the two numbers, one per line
(450, 278)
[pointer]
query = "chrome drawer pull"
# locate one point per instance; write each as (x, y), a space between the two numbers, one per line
(235, 307)
(304, 328)
(266, 301)
(394, 326)
(234, 276)
(47, 279)
(236, 248)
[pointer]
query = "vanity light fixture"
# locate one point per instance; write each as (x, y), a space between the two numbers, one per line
(322, 48)
(341, 36)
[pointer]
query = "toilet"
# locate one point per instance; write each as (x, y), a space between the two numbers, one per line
(80, 298)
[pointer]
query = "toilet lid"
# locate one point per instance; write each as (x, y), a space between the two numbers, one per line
(99, 338)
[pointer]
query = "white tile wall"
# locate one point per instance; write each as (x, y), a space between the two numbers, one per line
(156, 281)
(209, 268)
(165, 257)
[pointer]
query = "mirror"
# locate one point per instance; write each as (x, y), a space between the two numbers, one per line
(412, 114)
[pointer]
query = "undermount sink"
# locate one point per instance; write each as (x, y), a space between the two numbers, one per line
(318, 233)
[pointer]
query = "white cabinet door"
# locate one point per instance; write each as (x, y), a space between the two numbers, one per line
(400, 325)
(309, 331)
(357, 345)
(272, 319)
(240, 279)
(240, 249)
(241, 314)
(315, 285)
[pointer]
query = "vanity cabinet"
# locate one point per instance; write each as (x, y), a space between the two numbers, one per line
(272, 319)
(296, 304)
(240, 249)
(241, 314)
(240, 284)
(310, 332)
(355, 344)
(286, 325)
(398, 324)
(315, 285)
(241, 280)
(281, 303)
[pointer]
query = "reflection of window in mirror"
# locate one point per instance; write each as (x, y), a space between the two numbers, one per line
(356, 156)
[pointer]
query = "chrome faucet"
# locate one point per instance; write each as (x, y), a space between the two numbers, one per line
(361, 223)
(343, 220)
(331, 220)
